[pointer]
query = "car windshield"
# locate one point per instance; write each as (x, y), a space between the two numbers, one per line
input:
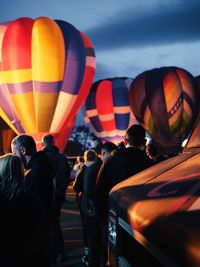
(194, 139)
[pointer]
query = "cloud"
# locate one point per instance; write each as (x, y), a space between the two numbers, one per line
(162, 25)
(103, 71)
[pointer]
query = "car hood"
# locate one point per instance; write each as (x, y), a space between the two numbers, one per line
(162, 203)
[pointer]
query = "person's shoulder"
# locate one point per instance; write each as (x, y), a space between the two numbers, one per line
(95, 165)
(118, 152)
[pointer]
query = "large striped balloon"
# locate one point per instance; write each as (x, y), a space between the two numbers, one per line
(165, 101)
(106, 109)
(46, 70)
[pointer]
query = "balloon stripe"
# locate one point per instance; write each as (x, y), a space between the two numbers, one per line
(17, 44)
(16, 76)
(3, 29)
(176, 106)
(104, 91)
(24, 106)
(9, 109)
(75, 58)
(106, 117)
(92, 113)
(91, 62)
(44, 111)
(172, 90)
(96, 123)
(47, 87)
(122, 121)
(48, 51)
(7, 120)
(137, 97)
(64, 105)
(90, 52)
(122, 110)
(120, 93)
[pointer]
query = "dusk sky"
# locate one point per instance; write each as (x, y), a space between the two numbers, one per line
(129, 36)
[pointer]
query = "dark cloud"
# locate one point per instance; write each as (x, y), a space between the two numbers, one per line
(180, 23)
(103, 72)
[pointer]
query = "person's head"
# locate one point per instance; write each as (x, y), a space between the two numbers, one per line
(135, 136)
(121, 145)
(24, 146)
(48, 140)
(90, 155)
(11, 175)
(106, 150)
(152, 150)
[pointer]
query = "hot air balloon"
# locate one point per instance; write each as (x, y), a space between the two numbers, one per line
(165, 101)
(46, 71)
(106, 109)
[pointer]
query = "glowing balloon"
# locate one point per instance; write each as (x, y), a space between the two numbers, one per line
(46, 70)
(165, 102)
(106, 109)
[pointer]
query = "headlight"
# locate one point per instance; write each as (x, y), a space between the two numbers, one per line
(112, 225)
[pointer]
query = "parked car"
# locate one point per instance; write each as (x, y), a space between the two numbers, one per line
(154, 216)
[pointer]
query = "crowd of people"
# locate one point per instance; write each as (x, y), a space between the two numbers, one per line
(33, 189)
(97, 176)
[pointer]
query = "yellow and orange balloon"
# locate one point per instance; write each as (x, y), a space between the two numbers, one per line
(46, 71)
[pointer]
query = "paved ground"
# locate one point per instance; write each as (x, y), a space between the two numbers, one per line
(72, 230)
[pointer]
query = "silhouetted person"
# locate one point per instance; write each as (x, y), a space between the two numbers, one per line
(153, 153)
(38, 177)
(76, 168)
(123, 163)
(23, 231)
(92, 226)
(61, 176)
(89, 158)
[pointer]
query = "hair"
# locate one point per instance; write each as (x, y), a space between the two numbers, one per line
(109, 146)
(90, 155)
(11, 176)
(26, 141)
(121, 145)
(48, 140)
(135, 135)
(79, 159)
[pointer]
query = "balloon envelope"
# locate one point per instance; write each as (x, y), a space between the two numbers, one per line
(165, 101)
(46, 70)
(106, 109)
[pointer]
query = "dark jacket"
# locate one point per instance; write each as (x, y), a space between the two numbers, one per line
(124, 163)
(90, 178)
(60, 169)
(78, 183)
(23, 232)
(38, 179)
